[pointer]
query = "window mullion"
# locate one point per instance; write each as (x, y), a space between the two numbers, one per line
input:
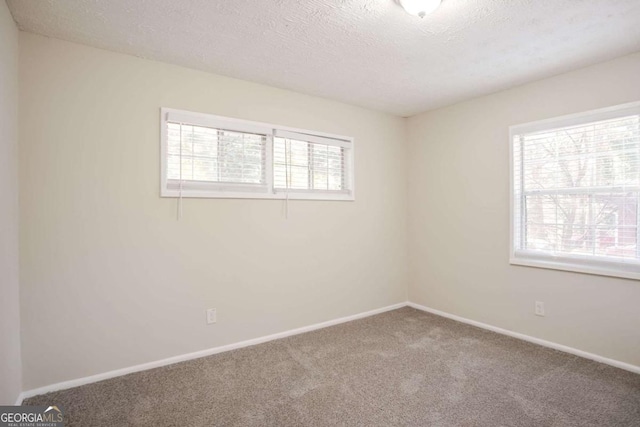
(523, 206)
(310, 174)
(637, 225)
(592, 225)
(219, 153)
(637, 165)
(343, 169)
(268, 164)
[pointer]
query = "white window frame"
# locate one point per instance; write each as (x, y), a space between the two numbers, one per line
(253, 191)
(583, 264)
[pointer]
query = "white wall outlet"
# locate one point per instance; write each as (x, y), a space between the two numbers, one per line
(211, 316)
(539, 308)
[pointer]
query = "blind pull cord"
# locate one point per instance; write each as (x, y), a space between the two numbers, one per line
(286, 206)
(180, 185)
(287, 167)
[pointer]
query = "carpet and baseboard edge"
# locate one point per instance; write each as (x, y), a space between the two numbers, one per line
(198, 354)
(534, 340)
(215, 350)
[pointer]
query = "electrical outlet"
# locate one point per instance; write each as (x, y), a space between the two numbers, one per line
(211, 316)
(539, 310)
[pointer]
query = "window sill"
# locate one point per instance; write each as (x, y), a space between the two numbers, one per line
(344, 197)
(599, 268)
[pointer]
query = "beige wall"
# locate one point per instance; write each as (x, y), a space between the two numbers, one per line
(10, 370)
(459, 218)
(110, 279)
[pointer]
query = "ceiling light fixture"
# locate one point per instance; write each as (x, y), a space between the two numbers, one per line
(420, 8)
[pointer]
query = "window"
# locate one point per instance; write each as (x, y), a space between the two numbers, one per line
(302, 165)
(576, 192)
(211, 156)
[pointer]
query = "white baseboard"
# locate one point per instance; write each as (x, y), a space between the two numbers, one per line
(195, 355)
(19, 399)
(544, 343)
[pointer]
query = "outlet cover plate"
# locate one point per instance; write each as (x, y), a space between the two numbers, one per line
(211, 316)
(539, 308)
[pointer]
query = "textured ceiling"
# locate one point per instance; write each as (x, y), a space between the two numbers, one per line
(364, 52)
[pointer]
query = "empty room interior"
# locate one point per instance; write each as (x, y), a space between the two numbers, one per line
(320, 213)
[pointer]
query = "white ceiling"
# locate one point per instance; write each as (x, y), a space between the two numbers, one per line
(364, 52)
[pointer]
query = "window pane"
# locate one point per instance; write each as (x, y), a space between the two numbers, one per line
(215, 155)
(290, 164)
(303, 165)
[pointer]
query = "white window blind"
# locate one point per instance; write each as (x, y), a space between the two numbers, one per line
(576, 192)
(309, 166)
(211, 156)
(198, 154)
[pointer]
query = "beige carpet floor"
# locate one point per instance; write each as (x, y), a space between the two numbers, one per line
(400, 368)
